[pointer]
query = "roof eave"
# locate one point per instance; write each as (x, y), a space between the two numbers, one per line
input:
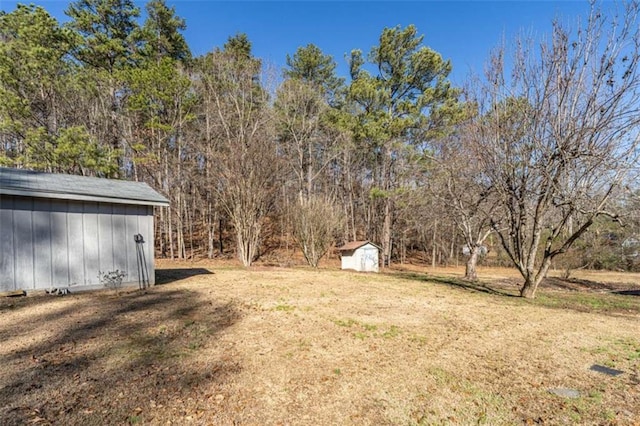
(80, 197)
(356, 247)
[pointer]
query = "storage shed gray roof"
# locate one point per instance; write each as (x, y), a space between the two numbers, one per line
(30, 183)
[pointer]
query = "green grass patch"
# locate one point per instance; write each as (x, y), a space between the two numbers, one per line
(134, 420)
(418, 339)
(345, 322)
(617, 352)
(629, 348)
(392, 332)
(370, 327)
(481, 406)
(589, 302)
(284, 308)
(582, 410)
(363, 330)
(304, 344)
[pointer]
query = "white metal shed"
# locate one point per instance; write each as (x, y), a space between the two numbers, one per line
(360, 255)
(61, 231)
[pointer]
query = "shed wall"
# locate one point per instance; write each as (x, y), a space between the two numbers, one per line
(363, 259)
(48, 243)
(349, 260)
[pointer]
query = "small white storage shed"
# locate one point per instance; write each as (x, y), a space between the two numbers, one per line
(61, 231)
(360, 255)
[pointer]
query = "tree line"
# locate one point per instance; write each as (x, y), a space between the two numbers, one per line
(533, 159)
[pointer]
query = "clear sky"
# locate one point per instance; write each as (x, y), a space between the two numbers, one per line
(462, 31)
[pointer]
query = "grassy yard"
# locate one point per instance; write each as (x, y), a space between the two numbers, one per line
(217, 344)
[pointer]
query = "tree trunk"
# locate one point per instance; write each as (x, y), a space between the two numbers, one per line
(162, 232)
(452, 249)
(531, 283)
(352, 217)
(211, 223)
(528, 290)
(247, 236)
(220, 242)
(210, 240)
(470, 272)
(190, 218)
(179, 230)
(433, 245)
(386, 235)
(170, 223)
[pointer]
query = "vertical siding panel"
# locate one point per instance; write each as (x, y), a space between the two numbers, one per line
(132, 229)
(120, 247)
(92, 237)
(7, 251)
(75, 237)
(105, 225)
(141, 212)
(142, 249)
(150, 239)
(59, 245)
(23, 240)
(42, 242)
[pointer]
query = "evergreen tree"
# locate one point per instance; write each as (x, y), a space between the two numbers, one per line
(310, 65)
(161, 33)
(395, 109)
(107, 30)
(36, 118)
(107, 44)
(239, 47)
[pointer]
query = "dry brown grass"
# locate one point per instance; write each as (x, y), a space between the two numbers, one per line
(216, 344)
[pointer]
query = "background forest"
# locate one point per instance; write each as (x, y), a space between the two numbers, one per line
(534, 159)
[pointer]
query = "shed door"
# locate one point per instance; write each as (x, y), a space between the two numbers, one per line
(369, 259)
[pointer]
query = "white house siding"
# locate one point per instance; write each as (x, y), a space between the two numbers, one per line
(63, 243)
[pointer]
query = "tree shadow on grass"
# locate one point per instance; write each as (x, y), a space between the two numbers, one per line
(101, 359)
(627, 292)
(575, 284)
(475, 287)
(8, 304)
(166, 276)
(589, 286)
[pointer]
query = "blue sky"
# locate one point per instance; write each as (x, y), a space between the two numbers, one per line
(462, 31)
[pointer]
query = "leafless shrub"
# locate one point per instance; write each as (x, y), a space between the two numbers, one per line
(316, 223)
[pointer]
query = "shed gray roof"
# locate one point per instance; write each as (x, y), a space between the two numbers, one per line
(30, 183)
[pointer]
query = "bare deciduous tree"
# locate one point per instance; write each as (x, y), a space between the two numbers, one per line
(306, 143)
(558, 134)
(245, 159)
(316, 224)
(457, 183)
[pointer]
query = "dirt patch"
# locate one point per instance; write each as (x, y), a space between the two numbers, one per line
(216, 344)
